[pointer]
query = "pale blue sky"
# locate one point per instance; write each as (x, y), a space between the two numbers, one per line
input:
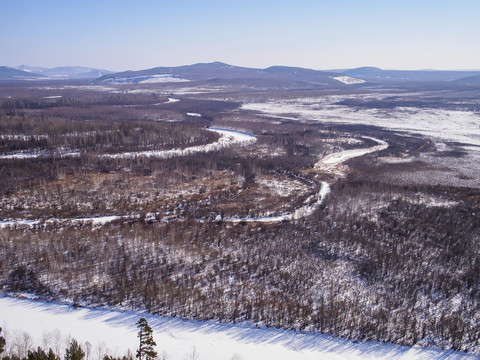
(121, 34)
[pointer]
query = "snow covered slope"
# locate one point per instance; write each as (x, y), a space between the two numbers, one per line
(114, 332)
(348, 80)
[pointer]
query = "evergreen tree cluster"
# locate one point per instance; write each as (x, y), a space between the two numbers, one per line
(74, 351)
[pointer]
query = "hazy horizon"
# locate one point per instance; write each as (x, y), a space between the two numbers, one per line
(178, 65)
(121, 35)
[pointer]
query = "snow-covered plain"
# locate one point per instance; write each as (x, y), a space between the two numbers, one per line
(456, 130)
(440, 124)
(115, 331)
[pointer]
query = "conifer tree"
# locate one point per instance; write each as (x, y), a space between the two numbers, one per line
(74, 351)
(40, 354)
(2, 342)
(146, 346)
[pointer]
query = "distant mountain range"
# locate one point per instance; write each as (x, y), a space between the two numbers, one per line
(374, 74)
(471, 80)
(217, 71)
(66, 72)
(8, 73)
(25, 72)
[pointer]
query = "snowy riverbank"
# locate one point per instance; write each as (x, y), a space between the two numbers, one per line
(116, 331)
(227, 138)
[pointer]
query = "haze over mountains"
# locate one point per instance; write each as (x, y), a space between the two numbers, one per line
(25, 72)
(66, 72)
(217, 71)
(9, 73)
(373, 73)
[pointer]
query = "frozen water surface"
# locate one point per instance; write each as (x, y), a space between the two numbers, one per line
(212, 340)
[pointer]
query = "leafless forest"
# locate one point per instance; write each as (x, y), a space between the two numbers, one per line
(89, 216)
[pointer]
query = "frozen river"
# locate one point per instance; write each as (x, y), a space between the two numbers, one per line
(114, 332)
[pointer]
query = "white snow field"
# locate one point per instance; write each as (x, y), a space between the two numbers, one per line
(115, 332)
(448, 129)
(440, 124)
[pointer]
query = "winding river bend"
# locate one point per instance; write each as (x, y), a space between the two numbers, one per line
(227, 138)
(328, 164)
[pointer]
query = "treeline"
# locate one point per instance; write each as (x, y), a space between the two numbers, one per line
(17, 105)
(74, 351)
(20, 346)
(11, 106)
